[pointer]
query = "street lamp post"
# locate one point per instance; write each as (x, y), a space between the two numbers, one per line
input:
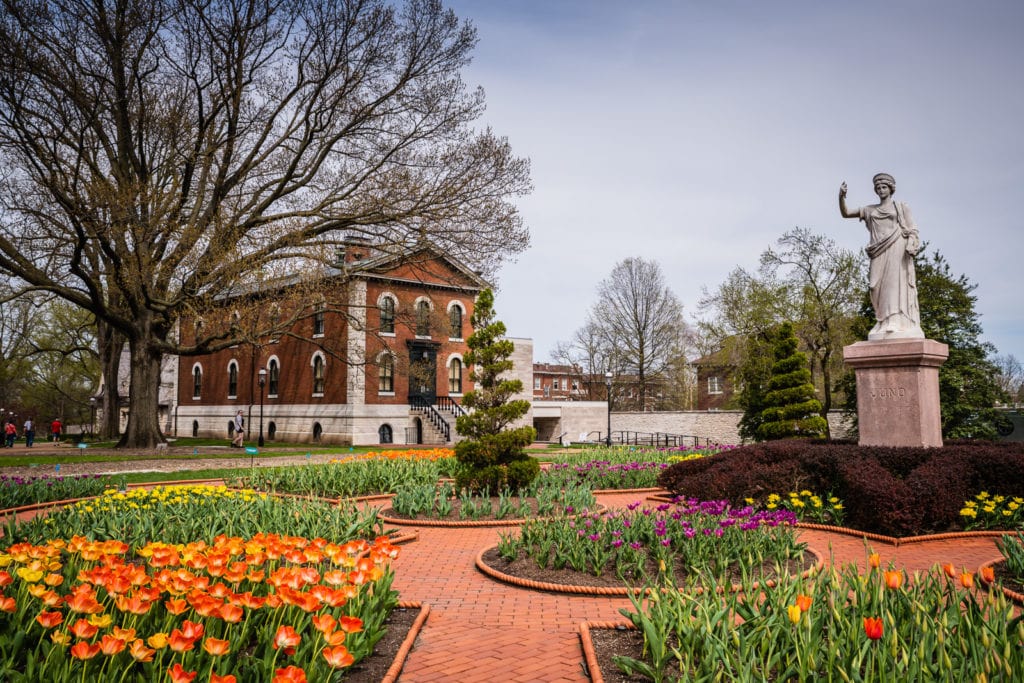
(263, 382)
(92, 416)
(608, 386)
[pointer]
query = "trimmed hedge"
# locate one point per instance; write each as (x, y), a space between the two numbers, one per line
(892, 491)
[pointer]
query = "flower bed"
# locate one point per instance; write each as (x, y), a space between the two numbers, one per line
(367, 474)
(839, 625)
(235, 609)
(686, 540)
(181, 514)
(540, 499)
(20, 491)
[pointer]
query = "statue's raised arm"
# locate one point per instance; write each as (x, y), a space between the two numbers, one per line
(891, 278)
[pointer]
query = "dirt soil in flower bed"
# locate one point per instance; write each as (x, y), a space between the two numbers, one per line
(1007, 579)
(525, 568)
(373, 668)
(609, 643)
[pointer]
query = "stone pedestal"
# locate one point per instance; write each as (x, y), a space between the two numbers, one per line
(898, 391)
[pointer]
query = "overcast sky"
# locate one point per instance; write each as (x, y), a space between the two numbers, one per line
(696, 132)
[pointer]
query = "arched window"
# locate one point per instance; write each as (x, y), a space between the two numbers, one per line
(455, 321)
(385, 433)
(273, 377)
(318, 374)
(318, 432)
(271, 430)
(387, 315)
(195, 428)
(386, 373)
(455, 376)
(422, 318)
(232, 379)
(197, 381)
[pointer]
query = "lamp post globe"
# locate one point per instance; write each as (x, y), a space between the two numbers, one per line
(608, 386)
(262, 383)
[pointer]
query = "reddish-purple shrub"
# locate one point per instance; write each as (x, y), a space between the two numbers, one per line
(894, 491)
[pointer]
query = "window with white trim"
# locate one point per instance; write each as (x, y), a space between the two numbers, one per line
(318, 375)
(714, 385)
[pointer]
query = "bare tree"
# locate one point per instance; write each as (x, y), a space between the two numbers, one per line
(639, 321)
(160, 154)
(1010, 376)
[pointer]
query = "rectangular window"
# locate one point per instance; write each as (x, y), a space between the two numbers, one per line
(555, 384)
(386, 375)
(318, 321)
(714, 385)
(536, 382)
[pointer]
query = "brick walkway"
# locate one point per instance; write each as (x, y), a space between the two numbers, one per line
(481, 630)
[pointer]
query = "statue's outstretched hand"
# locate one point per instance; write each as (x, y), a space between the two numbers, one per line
(842, 189)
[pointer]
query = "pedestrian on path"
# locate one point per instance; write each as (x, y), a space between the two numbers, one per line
(30, 433)
(55, 427)
(10, 433)
(237, 442)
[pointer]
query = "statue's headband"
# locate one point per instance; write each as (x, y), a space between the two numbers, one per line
(884, 178)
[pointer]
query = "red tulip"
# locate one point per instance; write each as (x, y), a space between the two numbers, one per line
(873, 627)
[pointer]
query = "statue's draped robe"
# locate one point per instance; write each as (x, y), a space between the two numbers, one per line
(893, 284)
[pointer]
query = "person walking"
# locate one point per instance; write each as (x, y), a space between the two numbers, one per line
(30, 433)
(237, 442)
(55, 427)
(10, 433)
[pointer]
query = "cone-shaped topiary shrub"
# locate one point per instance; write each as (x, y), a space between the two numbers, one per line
(791, 409)
(492, 455)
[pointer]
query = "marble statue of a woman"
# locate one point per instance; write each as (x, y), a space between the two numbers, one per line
(891, 279)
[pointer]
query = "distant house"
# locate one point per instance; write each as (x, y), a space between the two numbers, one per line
(553, 382)
(714, 380)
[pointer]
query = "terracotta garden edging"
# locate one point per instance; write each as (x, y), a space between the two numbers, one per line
(1011, 595)
(622, 591)
(587, 644)
(395, 670)
(614, 491)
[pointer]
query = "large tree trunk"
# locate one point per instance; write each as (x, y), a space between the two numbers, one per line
(143, 430)
(110, 344)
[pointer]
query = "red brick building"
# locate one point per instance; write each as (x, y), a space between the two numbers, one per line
(383, 366)
(714, 380)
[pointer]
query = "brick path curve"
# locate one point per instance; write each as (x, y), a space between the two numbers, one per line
(482, 631)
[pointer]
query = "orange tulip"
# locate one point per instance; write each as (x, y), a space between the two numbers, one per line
(988, 574)
(139, 651)
(873, 627)
(949, 570)
(8, 604)
(338, 657)
(176, 607)
(893, 579)
(84, 603)
(325, 623)
(967, 580)
(334, 639)
(216, 647)
(49, 619)
(287, 638)
(5, 578)
(231, 613)
(290, 674)
(53, 579)
(83, 650)
(874, 560)
(179, 675)
(192, 630)
(110, 645)
(83, 629)
(351, 624)
(228, 678)
(803, 602)
(179, 642)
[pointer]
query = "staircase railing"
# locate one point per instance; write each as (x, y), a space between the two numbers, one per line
(421, 405)
(448, 403)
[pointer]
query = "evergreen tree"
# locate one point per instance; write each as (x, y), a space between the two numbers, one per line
(493, 456)
(790, 407)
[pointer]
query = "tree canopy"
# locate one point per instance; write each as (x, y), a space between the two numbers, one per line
(159, 155)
